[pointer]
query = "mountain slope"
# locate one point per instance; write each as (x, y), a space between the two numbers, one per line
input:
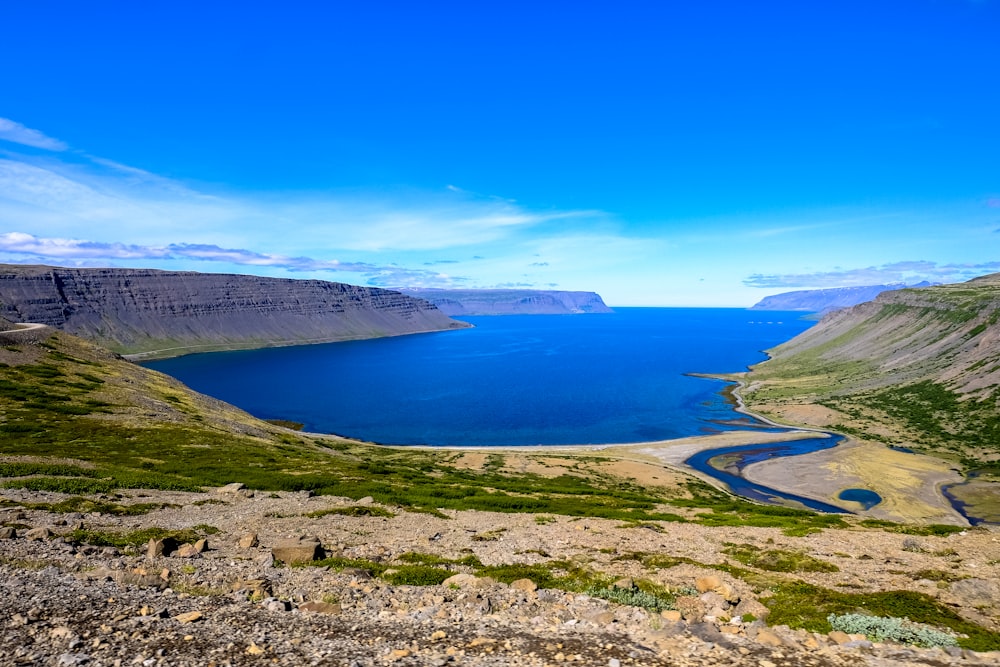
(141, 311)
(825, 300)
(511, 301)
(914, 367)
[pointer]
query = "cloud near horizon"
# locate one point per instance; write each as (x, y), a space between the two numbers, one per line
(76, 252)
(897, 272)
(63, 193)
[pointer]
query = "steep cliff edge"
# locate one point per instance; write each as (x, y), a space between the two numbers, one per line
(918, 368)
(512, 301)
(143, 311)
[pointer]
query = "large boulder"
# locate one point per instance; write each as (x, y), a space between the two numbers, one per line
(298, 550)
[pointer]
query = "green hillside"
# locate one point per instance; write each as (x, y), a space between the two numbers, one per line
(918, 368)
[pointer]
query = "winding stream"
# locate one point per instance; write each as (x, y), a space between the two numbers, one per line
(726, 464)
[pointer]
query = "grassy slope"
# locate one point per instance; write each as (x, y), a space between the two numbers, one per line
(75, 418)
(918, 368)
(123, 426)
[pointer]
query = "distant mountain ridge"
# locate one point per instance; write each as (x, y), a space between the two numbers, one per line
(825, 300)
(511, 301)
(144, 311)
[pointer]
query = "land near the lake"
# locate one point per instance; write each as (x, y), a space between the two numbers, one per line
(144, 523)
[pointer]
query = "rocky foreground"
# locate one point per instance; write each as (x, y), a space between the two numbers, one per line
(226, 600)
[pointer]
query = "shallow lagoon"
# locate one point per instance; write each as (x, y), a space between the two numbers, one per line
(512, 380)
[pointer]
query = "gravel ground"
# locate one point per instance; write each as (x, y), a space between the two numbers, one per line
(63, 603)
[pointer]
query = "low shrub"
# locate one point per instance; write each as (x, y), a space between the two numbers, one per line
(355, 510)
(891, 629)
(633, 597)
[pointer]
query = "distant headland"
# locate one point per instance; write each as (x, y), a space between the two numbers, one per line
(150, 313)
(511, 301)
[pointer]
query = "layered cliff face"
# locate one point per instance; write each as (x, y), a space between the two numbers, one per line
(143, 310)
(512, 302)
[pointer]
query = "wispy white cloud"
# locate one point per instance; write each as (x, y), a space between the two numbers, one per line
(75, 251)
(19, 134)
(58, 197)
(898, 272)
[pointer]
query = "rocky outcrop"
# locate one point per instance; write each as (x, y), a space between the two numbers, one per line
(825, 300)
(143, 310)
(512, 302)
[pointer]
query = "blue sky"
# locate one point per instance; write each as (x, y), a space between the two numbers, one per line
(659, 153)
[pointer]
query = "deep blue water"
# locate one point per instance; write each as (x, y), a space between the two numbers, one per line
(511, 380)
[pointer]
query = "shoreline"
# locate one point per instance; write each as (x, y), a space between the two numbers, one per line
(910, 485)
(169, 352)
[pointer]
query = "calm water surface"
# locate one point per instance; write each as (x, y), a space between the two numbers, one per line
(512, 380)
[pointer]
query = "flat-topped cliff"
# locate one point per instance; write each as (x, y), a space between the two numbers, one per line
(139, 311)
(512, 301)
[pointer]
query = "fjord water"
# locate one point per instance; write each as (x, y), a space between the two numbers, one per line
(510, 380)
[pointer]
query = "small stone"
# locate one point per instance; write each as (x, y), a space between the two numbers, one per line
(189, 617)
(671, 615)
(248, 541)
(201, 546)
(766, 663)
(614, 662)
(625, 583)
(400, 653)
(768, 638)
(41, 533)
(8, 533)
(526, 585)
(318, 607)
(438, 635)
(691, 608)
(481, 641)
(838, 637)
(231, 489)
(186, 551)
(254, 649)
(603, 618)
(259, 588)
(277, 605)
(728, 593)
(463, 580)
(297, 551)
(707, 583)
(367, 500)
(162, 547)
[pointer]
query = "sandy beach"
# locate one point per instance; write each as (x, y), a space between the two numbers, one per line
(909, 484)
